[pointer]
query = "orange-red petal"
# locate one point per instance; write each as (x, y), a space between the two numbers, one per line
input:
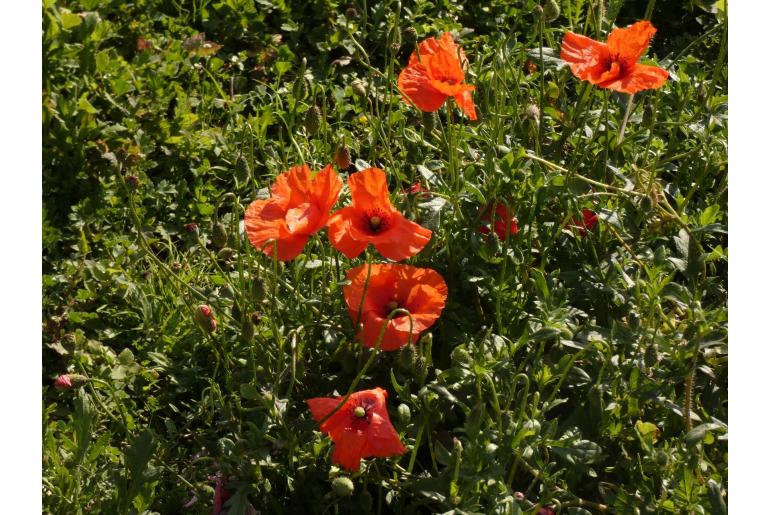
(640, 77)
(465, 103)
(369, 189)
(420, 291)
(403, 240)
(325, 188)
(631, 42)
(415, 84)
(340, 230)
(584, 55)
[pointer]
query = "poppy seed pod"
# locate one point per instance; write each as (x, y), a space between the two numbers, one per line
(343, 486)
(342, 157)
(225, 254)
(551, 10)
(219, 235)
(313, 120)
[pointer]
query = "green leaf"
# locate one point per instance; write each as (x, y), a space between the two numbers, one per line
(582, 452)
(70, 20)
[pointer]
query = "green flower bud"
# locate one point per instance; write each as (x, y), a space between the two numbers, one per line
(313, 120)
(342, 157)
(551, 10)
(359, 87)
(404, 414)
(365, 501)
(343, 486)
(219, 235)
(242, 171)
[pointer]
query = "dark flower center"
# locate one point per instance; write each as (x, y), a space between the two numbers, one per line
(361, 416)
(614, 58)
(376, 221)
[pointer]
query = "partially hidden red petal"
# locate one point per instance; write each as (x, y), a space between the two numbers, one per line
(465, 103)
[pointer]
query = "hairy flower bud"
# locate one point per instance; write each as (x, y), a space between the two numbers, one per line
(359, 87)
(63, 382)
(404, 414)
(342, 157)
(313, 120)
(343, 486)
(219, 235)
(551, 10)
(67, 381)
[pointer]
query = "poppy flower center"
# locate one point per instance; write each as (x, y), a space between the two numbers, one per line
(376, 221)
(359, 412)
(392, 305)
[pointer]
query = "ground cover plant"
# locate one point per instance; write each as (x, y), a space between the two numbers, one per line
(384, 257)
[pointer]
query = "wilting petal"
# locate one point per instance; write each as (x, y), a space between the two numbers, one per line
(404, 240)
(640, 77)
(415, 84)
(631, 42)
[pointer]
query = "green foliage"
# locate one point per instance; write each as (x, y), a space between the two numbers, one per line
(586, 373)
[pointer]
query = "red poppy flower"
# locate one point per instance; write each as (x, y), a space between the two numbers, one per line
(300, 206)
(371, 219)
(435, 72)
(503, 222)
(613, 65)
(587, 221)
(361, 428)
(420, 291)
